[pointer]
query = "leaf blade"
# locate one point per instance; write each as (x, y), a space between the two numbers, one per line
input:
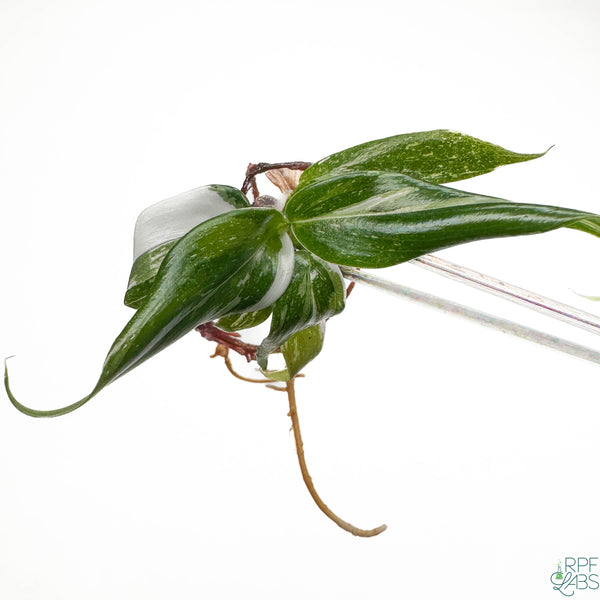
(159, 226)
(375, 220)
(316, 292)
(438, 156)
(298, 350)
(231, 263)
(244, 320)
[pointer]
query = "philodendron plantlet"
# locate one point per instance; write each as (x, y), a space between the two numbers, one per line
(211, 260)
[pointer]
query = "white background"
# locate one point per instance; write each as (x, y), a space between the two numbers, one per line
(479, 451)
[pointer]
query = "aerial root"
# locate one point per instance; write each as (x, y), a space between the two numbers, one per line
(223, 351)
(307, 478)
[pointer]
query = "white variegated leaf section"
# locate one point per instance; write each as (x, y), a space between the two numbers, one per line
(172, 218)
(285, 268)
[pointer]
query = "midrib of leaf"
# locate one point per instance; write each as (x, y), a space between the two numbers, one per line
(253, 256)
(344, 213)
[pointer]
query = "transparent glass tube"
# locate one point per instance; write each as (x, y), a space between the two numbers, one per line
(547, 306)
(551, 308)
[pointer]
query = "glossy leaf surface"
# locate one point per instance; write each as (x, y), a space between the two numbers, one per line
(315, 293)
(438, 156)
(381, 219)
(236, 262)
(244, 320)
(143, 272)
(159, 226)
(298, 350)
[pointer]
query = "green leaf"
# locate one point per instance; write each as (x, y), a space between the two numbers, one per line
(315, 293)
(143, 272)
(245, 320)
(439, 156)
(237, 262)
(159, 226)
(298, 351)
(381, 219)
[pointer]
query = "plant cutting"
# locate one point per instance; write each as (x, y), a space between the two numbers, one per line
(221, 260)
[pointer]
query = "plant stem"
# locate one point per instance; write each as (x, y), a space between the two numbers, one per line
(231, 340)
(256, 169)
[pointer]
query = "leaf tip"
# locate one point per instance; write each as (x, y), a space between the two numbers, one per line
(540, 154)
(31, 412)
(586, 296)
